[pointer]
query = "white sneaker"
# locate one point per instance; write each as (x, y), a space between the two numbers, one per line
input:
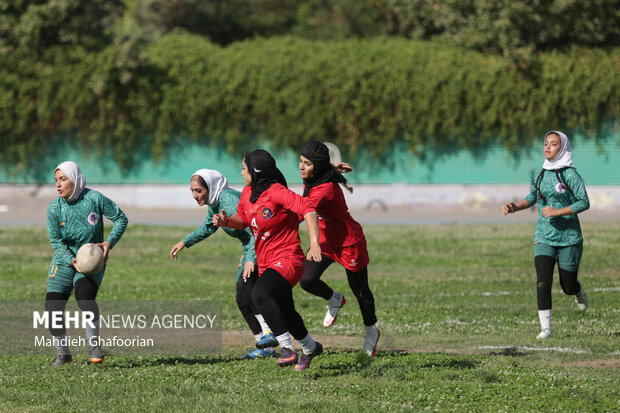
(581, 299)
(545, 333)
(335, 304)
(370, 342)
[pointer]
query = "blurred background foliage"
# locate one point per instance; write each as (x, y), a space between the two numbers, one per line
(438, 75)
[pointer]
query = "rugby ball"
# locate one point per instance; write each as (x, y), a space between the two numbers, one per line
(89, 259)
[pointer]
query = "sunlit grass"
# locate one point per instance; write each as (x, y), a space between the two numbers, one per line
(456, 306)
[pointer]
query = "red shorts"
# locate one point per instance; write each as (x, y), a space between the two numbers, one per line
(291, 269)
(353, 258)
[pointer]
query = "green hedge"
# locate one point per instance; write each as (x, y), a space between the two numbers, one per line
(365, 93)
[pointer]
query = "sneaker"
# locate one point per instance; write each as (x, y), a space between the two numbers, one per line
(62, 359)
(260, 353)
(268, 340)
(332, 309)
(288, 357)
(582, 300)
(545, 333)
(96, 354)
(304, 361)
(370, 342)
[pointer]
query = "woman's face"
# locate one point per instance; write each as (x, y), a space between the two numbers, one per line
(553, 144)
(63, 185)
(199, 192)
(306, 167)
(245, 173)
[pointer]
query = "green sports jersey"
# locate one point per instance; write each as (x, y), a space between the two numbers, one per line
(228, 201)
(73, 224)
(564, 230)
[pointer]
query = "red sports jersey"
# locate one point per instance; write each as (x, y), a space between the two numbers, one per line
(338, 228)
(273, 219)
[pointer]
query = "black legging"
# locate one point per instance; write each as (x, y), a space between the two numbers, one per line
(245, 302)
(273, 296)
(544, 274)
(358, 281)
(85, 294)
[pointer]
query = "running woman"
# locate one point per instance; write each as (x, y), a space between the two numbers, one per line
(271, 210)
(341, 239)
(210, 187)
(75, 218)
(560, 194)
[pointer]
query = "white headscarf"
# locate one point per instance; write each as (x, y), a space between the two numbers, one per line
(564, 158)
(216, 183)
(74, 173)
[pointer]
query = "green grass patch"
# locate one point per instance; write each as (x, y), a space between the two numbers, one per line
(456, 306)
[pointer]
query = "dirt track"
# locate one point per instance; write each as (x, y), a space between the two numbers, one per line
(26, 215)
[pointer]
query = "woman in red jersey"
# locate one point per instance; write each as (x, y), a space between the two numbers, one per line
(341, 240)
(272, 212)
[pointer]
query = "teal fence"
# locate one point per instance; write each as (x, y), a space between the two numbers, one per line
(599, 164)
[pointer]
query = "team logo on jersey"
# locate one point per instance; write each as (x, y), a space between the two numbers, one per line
(53, 271)
(353, 262)
(560, 188)
(279, 264)
(62, 224)
(93, 218)
(267, 213)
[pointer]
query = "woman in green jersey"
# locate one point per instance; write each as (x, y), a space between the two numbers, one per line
(560, 194)
(75, 218)
(210, 187)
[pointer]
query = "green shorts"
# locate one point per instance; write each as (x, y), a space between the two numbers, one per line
(568, 257)
(62, 279)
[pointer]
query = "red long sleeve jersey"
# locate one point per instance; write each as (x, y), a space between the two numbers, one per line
(273, 219)
(338, 228)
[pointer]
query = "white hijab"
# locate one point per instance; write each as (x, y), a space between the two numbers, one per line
(74, 173)
(216, 183)
(564, 158)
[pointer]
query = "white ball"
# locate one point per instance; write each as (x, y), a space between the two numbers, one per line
(89, 259)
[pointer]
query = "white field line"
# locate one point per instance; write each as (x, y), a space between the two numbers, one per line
(527, 348)
(500, 293)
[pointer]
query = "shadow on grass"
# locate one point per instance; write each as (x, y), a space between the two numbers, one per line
(509, 352)
(397, 365)
(128, 363)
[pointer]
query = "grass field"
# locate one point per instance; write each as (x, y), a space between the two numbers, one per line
(456, 306)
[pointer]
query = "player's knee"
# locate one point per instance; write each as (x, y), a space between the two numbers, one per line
(243, 300)
(258, 297)
(569, 282)
(306, 283)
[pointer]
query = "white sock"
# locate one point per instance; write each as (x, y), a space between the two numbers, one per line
(285, 341)
(370, 329)
(257, 337)
(60, 342)
(545, 319)
(263, 324)
(308, 345)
